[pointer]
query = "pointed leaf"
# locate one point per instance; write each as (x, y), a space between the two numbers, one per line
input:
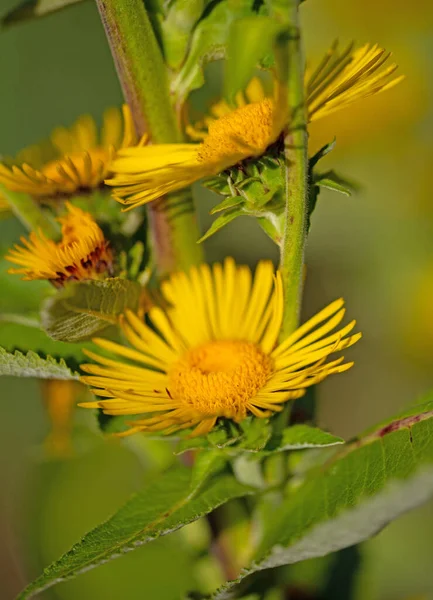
(352, 496)
(82, 309)
(31, 365)
(163, 507)
(230, 202)
(326, 149)
(221, 221)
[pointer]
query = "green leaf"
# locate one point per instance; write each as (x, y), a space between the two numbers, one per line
(82, 309)
(176, 29)
(229, 202)
(221, 221)
(31, 9)
(299, 437)
(208, 43)
(250, 39)
(326, 149)
(206, 463)
(333, 181)
(358, 491)
(31, 365)
(163, 507)
(257, 433)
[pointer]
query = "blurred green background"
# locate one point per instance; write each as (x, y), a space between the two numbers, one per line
(374, 249)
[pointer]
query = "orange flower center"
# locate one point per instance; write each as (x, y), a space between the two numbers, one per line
(220, 377)
(246, 131)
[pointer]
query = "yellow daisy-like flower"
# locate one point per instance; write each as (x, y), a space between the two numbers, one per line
(231, 135)
(146, 173)
(82, 253)
(214, 352)
(75, 160)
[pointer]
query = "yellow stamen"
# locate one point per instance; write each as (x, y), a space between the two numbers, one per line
(220, 377)
(246, 131)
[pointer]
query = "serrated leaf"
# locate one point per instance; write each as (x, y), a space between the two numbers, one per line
(17, 364)
(222, 221)
(208, 44)
(354, 495)
(163, 507)
(32, 9)
(250, 39)
(80, 310)
(24, 334)
(299, 437)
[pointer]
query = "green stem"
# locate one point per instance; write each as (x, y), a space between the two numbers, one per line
(296, 153)
(143, 76)
(30, 213)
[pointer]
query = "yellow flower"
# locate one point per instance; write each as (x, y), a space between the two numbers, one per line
(345, 77)
(214, 352)
(232, 135)
(76, 160)
(145, 173)
(82, 253)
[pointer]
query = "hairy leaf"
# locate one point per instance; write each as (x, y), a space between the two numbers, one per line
(352, 496)
(84, 308)
(31, 9)
(32, 365)
(164, 506)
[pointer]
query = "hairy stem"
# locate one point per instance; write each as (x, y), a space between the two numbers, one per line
(296, 153)
(143, 76)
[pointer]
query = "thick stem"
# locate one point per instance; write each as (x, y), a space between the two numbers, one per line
(143, 76)
(30, 213)
(296, 153)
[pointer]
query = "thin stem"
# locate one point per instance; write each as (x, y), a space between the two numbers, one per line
(30, 213)
(296, 153)
(143, 76)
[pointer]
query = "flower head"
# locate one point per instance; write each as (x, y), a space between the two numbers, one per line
(147, 173)
(214, 352)
(230, 135)
(75, 160)
(82, 253)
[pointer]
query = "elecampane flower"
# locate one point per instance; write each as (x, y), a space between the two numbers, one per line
(214, 352)
(229, 136)
(76, 159)
(82, 253)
